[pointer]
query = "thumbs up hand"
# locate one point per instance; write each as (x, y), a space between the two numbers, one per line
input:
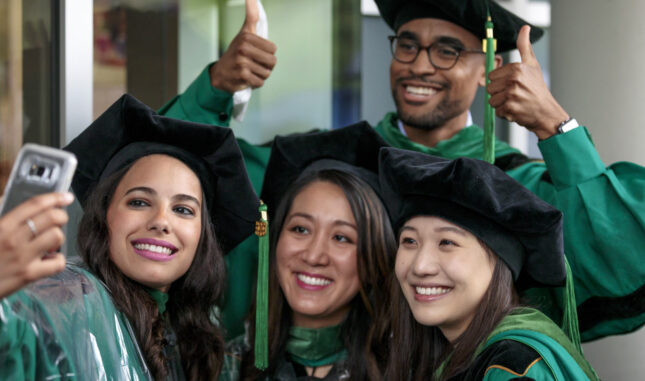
(519, 93)
(248, 60)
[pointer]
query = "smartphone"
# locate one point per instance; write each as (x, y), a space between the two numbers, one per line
(37, 170)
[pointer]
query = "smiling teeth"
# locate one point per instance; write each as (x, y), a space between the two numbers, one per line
(431, 290)
(153, 248)
(313, 281)
(420, 90)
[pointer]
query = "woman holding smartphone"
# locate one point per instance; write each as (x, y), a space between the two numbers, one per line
(158, 214)
(470, 238)
(330, 251)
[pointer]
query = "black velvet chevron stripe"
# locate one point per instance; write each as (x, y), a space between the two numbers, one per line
(598, 309)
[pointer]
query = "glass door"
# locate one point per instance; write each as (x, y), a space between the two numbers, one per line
(29, 86)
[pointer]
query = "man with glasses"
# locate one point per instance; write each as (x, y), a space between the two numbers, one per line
(436, 68)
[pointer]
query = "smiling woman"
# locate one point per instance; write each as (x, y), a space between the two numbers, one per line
(155, 224)
(444, 272)
(316, 255)
(141, 237)
(471, 238)
(331, 251)
(139, 307)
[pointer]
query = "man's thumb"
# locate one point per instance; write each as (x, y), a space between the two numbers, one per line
(524, 45)
(252, 16)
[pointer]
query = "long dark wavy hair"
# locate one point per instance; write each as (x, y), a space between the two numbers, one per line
(366, 329)
(420, 350)
(191, 297)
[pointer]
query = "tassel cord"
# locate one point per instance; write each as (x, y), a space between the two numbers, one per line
(489, 46)
(262, 293)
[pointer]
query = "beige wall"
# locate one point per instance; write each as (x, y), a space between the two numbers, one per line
(598, 75)
(598, 72)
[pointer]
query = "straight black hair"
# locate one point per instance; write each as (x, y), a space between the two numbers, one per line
(366, 330)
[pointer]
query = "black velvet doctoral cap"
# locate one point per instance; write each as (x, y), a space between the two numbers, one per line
(468, 14)
(524, 231)
(353, 149)
(130, 130)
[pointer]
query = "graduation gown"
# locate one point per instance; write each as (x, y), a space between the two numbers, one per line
(67, 327)
(604, 212)
(527, 345)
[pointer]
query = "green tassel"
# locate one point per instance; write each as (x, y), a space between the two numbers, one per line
(570, 313)
(262, 295)
(489, 46)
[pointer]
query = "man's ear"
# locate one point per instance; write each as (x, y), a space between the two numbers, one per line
(498, 63)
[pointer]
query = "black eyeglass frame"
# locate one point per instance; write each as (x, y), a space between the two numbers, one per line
(427, 49)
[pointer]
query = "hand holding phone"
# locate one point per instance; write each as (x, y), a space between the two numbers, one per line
(32, 217)
(27, 255)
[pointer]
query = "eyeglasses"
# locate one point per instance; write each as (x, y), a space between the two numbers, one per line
(442, 56)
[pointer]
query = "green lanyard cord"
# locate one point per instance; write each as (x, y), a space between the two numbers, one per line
(489, 46)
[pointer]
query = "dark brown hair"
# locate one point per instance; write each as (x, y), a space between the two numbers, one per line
(366, 330)
(191, 297)
(420, 350)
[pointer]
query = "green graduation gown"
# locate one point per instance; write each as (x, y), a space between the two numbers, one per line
(604, 212)
(66, 327)
(527, 345)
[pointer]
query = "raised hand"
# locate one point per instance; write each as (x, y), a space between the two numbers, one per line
(29, 237)
(248, 60)
(519, 93)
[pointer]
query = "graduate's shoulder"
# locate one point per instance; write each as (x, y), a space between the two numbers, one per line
(502, 360)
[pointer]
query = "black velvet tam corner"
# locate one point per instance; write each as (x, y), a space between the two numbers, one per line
(353, 149)
(130, 130)
(523, 230)
(468, 14)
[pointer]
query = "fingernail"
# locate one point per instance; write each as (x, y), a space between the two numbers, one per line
(68, 197)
